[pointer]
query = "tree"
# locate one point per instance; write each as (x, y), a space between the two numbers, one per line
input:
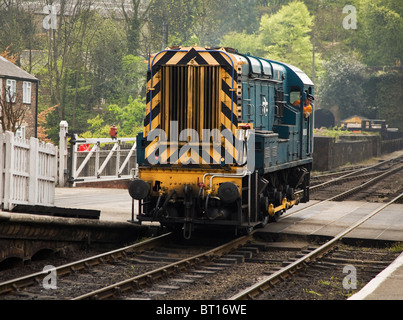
(132, 78)
(42, 122)
(380, 32)
(61, 44)
(285, 36)
(128, 119)
(88, 75)
(134, 23)
(341, 86)
(12, 110)
(243, 42)
(384, 89)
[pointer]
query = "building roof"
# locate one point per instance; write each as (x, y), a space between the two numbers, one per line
(10, 70)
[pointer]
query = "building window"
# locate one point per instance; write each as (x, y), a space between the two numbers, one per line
(11, 90)
(26, 92)
(20, 132)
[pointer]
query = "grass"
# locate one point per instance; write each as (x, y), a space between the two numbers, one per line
(397, 248)
(336, 132)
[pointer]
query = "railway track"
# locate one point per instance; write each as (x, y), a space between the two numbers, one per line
(370, 175)
(31, 285)
(307, 255)
(362, 182)
(331, 177)
(306, 259)
(108, 275)
(165, 270)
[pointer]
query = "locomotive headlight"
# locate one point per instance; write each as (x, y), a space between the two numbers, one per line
(228, 192)
(139, 189)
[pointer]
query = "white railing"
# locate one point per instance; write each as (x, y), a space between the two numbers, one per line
(28, 171)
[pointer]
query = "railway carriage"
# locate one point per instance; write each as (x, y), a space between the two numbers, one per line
(224, 144)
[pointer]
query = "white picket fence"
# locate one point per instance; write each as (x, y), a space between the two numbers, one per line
(28, 171)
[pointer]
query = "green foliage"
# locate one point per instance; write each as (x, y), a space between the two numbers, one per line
(380, 32)
(243, 42)
(398, 247)
(128, 119)
(283, 36)
(93, 63)
(178, 17)
(385, 96)
(97, 128)
(337, 132)
(342, 85)
(132, 79)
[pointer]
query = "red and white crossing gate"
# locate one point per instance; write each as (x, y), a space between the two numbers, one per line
(104, 159)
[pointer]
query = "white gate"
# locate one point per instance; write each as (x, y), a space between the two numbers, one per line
(28, 171)
(103, 160)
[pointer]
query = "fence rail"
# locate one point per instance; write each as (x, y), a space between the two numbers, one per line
(28, 171)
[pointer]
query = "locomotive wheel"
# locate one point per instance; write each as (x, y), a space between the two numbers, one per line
(264, 206)
(290, 194)
(248, 230)
(244, 230)
(265, 220)
(275, 217)
(278, 198)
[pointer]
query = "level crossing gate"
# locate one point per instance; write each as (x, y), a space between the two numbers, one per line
(102, 159)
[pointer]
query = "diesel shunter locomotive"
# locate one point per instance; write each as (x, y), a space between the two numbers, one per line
(227, 140)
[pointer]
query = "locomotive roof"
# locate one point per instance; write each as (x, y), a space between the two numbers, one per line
(302, 75)
(261, 65)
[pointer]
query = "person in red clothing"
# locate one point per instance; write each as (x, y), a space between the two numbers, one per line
(113, 132)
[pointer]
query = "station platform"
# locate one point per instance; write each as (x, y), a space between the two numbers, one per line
(328, 219)
(114, 204)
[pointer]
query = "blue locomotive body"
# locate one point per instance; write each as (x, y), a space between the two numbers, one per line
(283, 134)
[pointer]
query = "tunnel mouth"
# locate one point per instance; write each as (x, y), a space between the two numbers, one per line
(43, 254)
(10, 263)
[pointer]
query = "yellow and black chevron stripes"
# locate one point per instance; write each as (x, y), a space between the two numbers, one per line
(194, 55)
(229, 118)
(197, 90)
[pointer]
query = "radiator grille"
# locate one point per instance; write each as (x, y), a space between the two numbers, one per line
(190, 95)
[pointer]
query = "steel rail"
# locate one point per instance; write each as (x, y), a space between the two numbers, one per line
(145, 279)
(35, 278)
(366, 184)
(350, 191)
(321, 185)
(347, 179)
(266, 283)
